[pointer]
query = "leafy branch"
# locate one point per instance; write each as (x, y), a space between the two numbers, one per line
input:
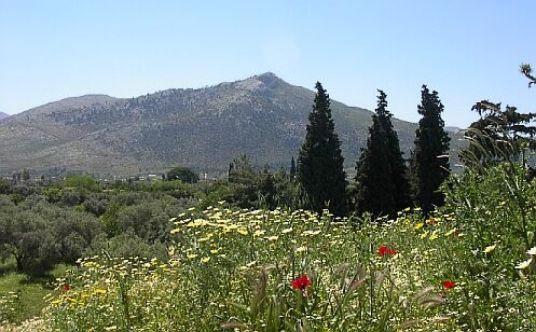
(526, 70)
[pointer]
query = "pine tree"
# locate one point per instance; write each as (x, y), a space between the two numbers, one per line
(431, 164)
(320, 162)
(526, 70)
(382, 184)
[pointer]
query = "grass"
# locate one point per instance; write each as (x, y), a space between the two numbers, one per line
(25, 295)
(466, 268)
(269, 271)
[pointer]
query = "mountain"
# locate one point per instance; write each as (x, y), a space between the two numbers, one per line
(262, 116)
(3, 116)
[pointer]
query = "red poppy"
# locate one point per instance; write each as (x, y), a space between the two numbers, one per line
(301, 282)
(448, 284)
(66, 287)
(385, 250)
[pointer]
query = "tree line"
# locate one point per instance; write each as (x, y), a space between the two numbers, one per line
(385, 181)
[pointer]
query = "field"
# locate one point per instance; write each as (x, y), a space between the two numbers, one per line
(467, 267)
(273, 271)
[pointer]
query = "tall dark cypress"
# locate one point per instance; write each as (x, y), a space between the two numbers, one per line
(431, 163)
(320, 162)
(382, 183)
(292, 168)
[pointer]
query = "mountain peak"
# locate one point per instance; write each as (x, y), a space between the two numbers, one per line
(267, 76)
(260, 81)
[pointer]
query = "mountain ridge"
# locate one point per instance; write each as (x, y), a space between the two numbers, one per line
(204, 128)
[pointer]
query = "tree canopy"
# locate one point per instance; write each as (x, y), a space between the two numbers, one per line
(382, 185)
(430, 158)
(497, 135)
(182, 173)
(320, 161)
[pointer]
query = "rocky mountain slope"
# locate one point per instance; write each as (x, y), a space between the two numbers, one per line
(262, 116)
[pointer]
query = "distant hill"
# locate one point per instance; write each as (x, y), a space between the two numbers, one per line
(262, 116)
(3, 116)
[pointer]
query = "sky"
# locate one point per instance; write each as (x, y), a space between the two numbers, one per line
(466, 50)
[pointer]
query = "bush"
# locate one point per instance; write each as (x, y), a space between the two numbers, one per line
(39, 235)
(82, 182)
(175, 188)
(126, 245)
(495, 204)
(494, 209)
(96, 204)
(182, 173)
(72, 197)
(5, 187)
(149, 219)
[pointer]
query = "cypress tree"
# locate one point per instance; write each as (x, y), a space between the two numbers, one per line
(320, 162)
(292, 168)
(431, 163)
(382, 184)
(267, 191)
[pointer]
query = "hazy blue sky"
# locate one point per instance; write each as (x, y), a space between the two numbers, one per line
(466, 50)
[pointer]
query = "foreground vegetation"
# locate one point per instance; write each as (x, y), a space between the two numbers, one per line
(468, 267)
(22, 296)
(47, 223)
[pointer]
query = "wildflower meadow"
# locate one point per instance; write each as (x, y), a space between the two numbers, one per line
(467, 267)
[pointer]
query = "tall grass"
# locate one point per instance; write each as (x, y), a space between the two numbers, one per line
(234, 269)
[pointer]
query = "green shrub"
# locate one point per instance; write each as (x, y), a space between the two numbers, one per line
(182, 173)
(39, 235)
(82, 182)
(126, 245)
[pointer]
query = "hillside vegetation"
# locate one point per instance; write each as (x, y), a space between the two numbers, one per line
(262, 116)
